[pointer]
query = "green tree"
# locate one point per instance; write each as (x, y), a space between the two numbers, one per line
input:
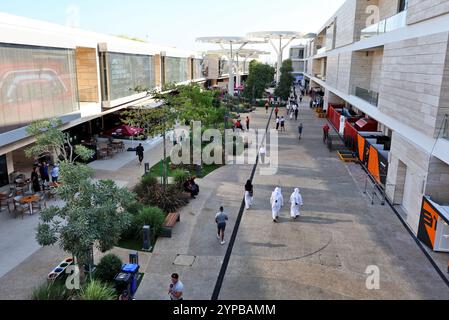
(180, 104)
(259, 78)
(49, 139)
(92, 215)
(93, 212)
(283, 89)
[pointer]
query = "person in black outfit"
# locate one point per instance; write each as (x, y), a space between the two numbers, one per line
(191, 187)
(249, 194)
(35, 180)
(140, 153)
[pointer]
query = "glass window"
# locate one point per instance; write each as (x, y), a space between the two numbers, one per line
(35, 83)
(176, 70)
(198, 69)
(127, 72)
(403, 5)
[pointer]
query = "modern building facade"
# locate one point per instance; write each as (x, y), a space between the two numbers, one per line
(48, 70)
(388, 61)
(297, 56)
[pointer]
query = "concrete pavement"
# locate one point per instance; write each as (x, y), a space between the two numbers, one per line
(323, 255)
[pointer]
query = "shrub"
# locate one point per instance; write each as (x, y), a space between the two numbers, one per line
(50, 291)
(95, 290)
(109, 266)
(180, 177)
(151, 216)
(169, 200)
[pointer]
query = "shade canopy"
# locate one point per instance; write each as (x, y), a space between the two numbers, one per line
(125, 131)
(276, 35)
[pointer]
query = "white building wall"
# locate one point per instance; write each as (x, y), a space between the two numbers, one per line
(419, 10)
(411, 81)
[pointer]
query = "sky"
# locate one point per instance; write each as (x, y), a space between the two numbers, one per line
(178, 23)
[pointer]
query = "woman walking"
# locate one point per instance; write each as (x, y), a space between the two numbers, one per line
(249, 194)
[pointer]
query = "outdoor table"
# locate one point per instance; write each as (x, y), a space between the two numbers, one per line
(29, 200)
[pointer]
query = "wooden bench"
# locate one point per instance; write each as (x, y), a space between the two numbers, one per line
(169, 223)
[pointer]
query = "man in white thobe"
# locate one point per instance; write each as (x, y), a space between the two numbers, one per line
(277, 202)
(296, 204)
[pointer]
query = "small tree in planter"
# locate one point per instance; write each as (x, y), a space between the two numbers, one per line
(93, 214)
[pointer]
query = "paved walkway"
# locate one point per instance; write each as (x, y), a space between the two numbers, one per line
(323, 255)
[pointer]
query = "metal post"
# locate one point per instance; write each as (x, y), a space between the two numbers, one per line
(231, 72)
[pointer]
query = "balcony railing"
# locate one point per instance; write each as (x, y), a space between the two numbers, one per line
(372, 97)
(395, 22)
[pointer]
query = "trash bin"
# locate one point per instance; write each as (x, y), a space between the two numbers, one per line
(123, 282)
(133, 270)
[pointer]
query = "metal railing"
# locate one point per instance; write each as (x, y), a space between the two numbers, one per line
(372, 97)
(392, 23)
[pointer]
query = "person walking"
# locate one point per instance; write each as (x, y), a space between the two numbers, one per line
(282, 124)
(326, 130)
(296, 113)
(176, 290)
(55, 173)
(249, 194)
(277, 202)
(140, 153)
(247, 123)
(221, 219)
(262, 154)
(278, 122)
(296, 204)
(300, 127)
(276, 111)
(288, 107)
(267, 105)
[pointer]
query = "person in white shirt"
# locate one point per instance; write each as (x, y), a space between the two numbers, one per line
(277, 202)
(262, 153)
(296, 204)
(176, 288)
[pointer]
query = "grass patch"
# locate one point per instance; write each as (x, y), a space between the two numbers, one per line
(157, 170)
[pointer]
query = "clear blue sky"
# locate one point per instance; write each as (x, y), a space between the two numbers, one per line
(179, 22)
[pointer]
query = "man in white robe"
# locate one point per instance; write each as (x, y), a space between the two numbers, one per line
(296, 204)
(277, 202)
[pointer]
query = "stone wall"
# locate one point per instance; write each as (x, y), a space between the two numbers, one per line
(417, 161)
(411, 80)
(345, 23)
(388, 8)
(344, 72)
(420, 10)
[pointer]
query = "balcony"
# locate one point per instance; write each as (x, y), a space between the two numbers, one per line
(395, 22)
(372, 97)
